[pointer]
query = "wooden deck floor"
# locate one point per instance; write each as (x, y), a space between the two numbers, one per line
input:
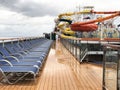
(62, 72)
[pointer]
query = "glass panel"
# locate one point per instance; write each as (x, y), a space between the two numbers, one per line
(119, 79)
(74, 52)
(78, 53)
(111, 70)
(119, 73)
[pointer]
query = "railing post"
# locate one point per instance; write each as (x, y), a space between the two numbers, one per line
(76, 49)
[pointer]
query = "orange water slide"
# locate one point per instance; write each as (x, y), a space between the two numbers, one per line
(96, 20)
(84, 28)
(104, 12)
(90, 25)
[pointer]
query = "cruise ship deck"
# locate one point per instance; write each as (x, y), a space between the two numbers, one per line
(62, 71)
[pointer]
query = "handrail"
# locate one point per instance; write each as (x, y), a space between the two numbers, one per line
(90, 39)
(14, 38)
(96, 39)
(112, 39)
(112, 46)
(8, 38)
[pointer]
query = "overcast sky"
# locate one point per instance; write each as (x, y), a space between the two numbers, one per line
(34, 17)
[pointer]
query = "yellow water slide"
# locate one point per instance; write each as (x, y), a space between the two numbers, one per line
(68, 31)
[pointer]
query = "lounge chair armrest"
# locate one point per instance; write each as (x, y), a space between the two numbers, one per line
(23, 52)
(17, 54)
(13, 57)
(3, 60)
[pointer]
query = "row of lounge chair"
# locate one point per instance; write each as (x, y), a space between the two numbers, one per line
(22, 59)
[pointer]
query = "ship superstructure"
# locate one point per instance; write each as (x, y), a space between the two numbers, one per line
(90, 29)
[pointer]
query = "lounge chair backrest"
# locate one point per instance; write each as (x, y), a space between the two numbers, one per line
(4, 51)
(1, 58)
(9, 47)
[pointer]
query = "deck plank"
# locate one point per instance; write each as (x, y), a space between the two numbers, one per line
(62, 72)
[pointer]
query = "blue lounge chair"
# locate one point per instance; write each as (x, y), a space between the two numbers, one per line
(16, 62)
(12, 74)
(5, 54)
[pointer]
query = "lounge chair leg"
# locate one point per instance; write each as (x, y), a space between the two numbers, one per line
(6, 80)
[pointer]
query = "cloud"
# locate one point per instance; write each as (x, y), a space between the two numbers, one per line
(34, 17)
(38, 8)
(23, 27)
(31, 8)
